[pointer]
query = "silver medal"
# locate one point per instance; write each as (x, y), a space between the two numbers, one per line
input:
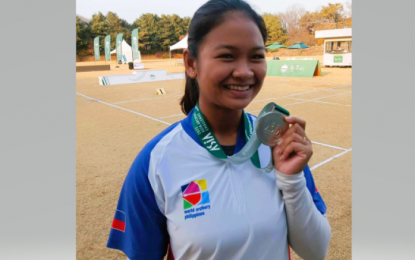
(270, 127)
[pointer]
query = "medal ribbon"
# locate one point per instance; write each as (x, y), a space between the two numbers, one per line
(209, 141)
(250, 149)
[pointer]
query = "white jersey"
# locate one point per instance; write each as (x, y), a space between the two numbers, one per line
(177, 193)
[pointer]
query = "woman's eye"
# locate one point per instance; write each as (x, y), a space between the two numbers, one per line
(258, 56)
(226, 56)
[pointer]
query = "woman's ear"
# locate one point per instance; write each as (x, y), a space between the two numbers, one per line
(189, 64)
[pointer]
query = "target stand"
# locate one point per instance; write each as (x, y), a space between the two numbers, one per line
(160, 91)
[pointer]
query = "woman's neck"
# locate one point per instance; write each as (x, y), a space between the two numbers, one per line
(224, 122)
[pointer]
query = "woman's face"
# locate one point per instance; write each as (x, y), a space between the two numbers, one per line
(231, 65)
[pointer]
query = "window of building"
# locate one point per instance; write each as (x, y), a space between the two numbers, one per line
(339, 47)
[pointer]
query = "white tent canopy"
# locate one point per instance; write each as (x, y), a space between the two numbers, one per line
(126, 51)
(179, 45)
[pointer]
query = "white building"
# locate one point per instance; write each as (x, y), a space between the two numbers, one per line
(337, 46)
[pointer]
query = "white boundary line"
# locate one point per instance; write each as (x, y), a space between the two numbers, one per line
(331, 146)
(330, 159)
(311, 100)
(297, 94)
(135, 100)
(144, 99)
(305, 101)
(149, 117)
(171, 116)
(339, 94)
(316, 101)
(302, 80)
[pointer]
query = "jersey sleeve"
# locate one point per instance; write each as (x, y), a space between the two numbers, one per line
(309, 231)
(139, 228)
(317, 199)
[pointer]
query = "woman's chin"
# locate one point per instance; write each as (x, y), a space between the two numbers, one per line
(237, 104)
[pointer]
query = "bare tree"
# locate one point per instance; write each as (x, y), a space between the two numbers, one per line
(290, 19)
(348, 9)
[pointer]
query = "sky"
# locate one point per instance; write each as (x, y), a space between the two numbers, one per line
(130, 10)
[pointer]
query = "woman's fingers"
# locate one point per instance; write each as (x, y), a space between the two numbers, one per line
(288, 150)
(294, 149)
(294, 134)
(297, 148)
(294, 137)
(293, 120)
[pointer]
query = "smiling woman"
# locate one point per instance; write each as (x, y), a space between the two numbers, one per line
(185, 190)
(229, 72)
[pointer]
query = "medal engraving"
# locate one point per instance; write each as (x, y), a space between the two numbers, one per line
(270, 128)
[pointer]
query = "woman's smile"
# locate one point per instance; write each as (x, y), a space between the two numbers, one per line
(239, 91)
(238, 87)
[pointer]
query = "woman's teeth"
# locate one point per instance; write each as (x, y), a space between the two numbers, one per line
(241, 88)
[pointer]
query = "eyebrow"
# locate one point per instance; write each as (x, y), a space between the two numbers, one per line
(233, 47)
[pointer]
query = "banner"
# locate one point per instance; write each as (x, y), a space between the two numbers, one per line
(118, 44)
(96, 48)
(138, 76)
(107, 44)
(134, 45)
(293, 68)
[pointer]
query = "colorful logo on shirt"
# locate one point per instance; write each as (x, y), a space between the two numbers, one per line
(118, 222)
(195, 195)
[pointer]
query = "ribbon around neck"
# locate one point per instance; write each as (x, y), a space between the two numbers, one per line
(269, 129)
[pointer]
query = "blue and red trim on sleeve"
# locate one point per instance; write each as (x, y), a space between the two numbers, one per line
(139, 228)
(318, 200)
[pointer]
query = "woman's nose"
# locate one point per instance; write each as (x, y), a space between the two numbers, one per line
(243, 71)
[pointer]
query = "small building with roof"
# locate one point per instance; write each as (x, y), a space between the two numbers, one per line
(337, 46)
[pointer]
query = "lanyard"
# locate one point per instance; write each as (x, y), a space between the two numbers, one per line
(250, 150)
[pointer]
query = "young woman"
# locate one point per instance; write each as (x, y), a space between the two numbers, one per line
(180, 192)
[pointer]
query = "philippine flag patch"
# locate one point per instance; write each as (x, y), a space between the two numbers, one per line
(119, 221)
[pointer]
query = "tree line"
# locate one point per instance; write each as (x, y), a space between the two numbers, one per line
(157, 33)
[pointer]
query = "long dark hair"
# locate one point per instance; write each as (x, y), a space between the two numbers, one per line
(207, 17)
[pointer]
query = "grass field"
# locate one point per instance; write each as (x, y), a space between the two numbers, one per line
(114, 122)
